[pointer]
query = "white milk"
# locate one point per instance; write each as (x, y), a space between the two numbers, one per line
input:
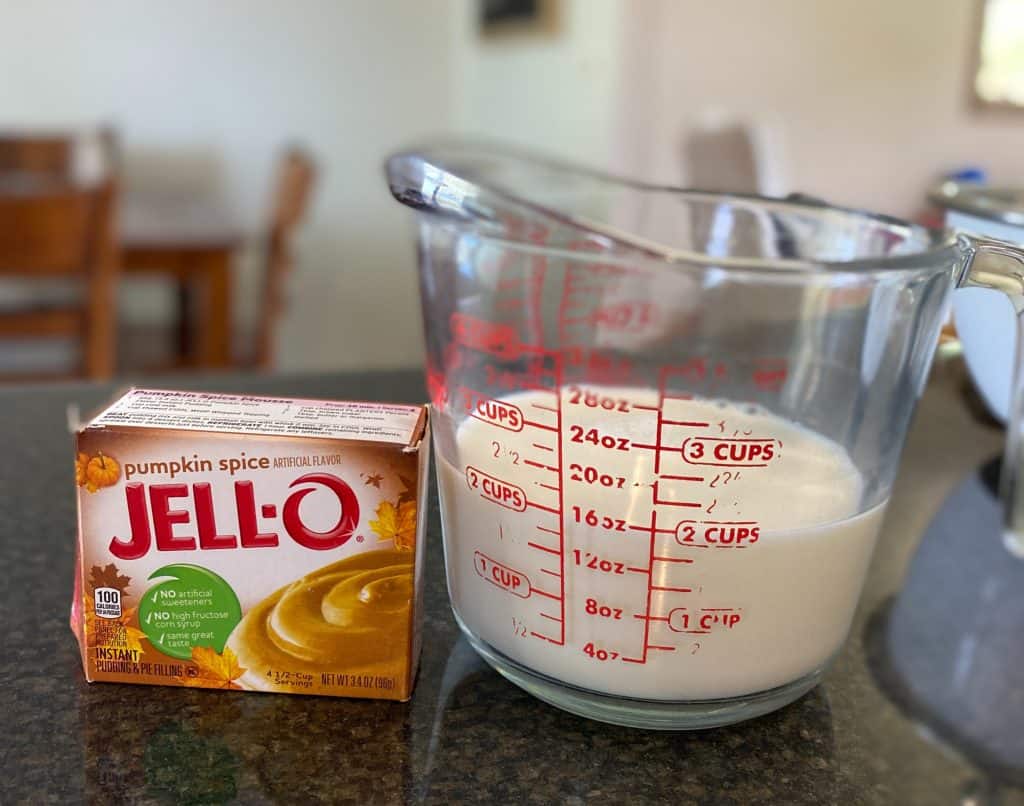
(718, 618)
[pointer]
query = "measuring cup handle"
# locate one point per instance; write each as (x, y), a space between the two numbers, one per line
(998, 265)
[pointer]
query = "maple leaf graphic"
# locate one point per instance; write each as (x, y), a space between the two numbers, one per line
(375, 480)
(81, 461)
(397, 524)
(133, 636)
(130, 637)
(109, 576)
(408, 490)
(216, 670)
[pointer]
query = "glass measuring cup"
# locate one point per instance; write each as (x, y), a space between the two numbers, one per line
(667, 423)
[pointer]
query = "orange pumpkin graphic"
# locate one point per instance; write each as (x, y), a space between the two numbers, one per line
(101, 471)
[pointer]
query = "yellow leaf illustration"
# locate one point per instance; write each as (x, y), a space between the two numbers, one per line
(215, 670)
(133, 638)
(81, 460)
(127, 637)
(397, 524)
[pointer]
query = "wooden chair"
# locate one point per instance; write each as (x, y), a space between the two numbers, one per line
(63, 233)
(28, 153)
(294, 184)
(58, 155)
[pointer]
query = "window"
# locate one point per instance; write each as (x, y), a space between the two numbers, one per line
(999, 62)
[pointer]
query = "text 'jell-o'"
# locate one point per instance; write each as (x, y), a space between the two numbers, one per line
(238, 542)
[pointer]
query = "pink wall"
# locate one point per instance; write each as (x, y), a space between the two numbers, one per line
(869, 96)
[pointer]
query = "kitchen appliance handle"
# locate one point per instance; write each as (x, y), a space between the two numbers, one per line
(990, 263)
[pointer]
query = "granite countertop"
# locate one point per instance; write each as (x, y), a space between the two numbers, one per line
(467, 735)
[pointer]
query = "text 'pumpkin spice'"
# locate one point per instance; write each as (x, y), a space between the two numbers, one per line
(238, 542)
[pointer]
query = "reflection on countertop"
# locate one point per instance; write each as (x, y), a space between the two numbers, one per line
(467, 734)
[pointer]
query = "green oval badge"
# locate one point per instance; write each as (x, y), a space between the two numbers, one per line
(193, 607)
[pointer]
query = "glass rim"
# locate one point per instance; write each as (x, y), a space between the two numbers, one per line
(935, 243)
(937, 259)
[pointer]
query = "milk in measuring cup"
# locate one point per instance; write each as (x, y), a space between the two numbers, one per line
(651, 547)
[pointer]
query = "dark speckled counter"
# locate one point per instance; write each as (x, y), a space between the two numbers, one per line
(467, 735)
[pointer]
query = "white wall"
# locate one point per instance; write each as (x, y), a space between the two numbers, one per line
(208, 92)
(870, 95)
(555, 93)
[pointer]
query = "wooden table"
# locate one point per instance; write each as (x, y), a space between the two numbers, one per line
(191, 239)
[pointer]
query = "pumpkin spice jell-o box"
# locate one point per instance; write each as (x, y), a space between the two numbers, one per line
(264, 544)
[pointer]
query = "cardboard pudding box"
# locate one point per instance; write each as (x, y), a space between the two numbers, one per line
(252, 543)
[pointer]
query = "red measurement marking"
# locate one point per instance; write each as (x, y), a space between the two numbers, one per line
(770, 374)
(495, 412)
(681, 478)
(650, 618)
(656, 531)
(729, 452)
(657, 440)
(561, 499)
(633, 660)
(542, 447)
(544, 637)
(650, 564)
(545, 615)
(549, 572)
(639, 570)
(498, 340)
(540, 425)
(549, 531)
(673, 590)
(717, 534)
(673, 559)
(546, 486)
(645, 408)
(688, 423)
(544, 593)
(539, 465)
(543, 548)
(501, 575)
(541, 506)
(703, 621)
(662, 648)
(495, 490)
(659, 500)
(544, 408)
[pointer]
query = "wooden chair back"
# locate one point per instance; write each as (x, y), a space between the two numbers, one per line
(59, 231)
(58, 155)
(45, 154)
(296, 176)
